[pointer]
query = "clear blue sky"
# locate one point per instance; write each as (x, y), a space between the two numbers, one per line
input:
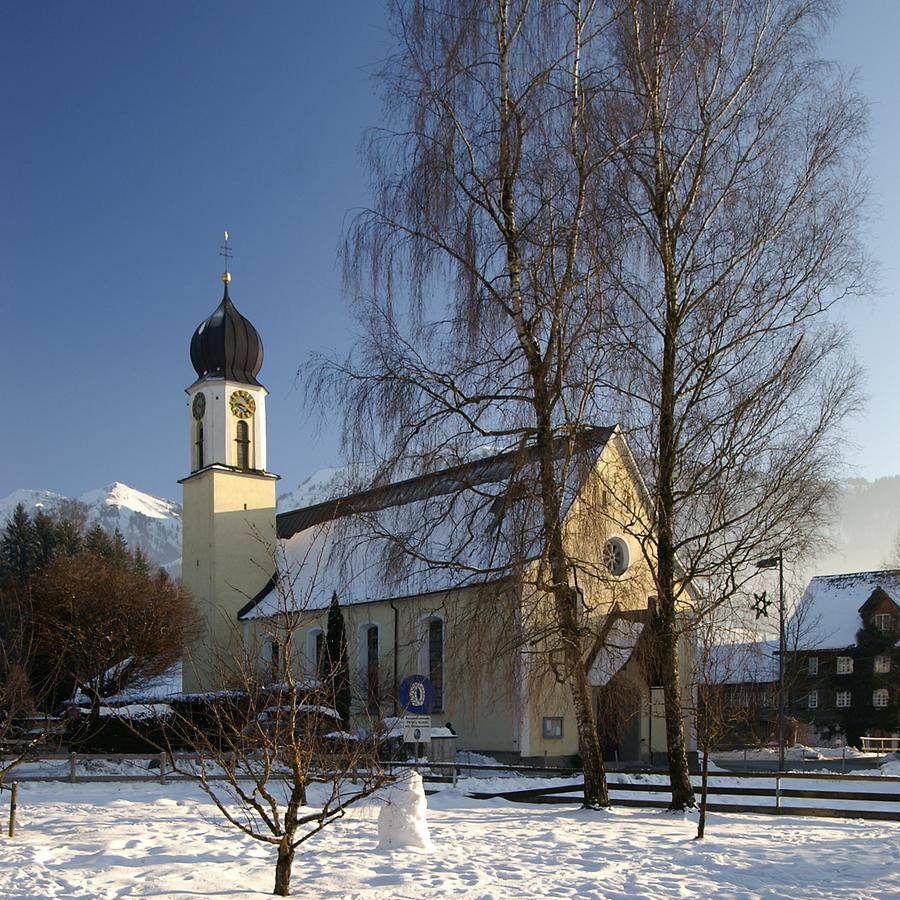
(133, 134)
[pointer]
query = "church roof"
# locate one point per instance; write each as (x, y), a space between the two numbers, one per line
(458, 527)
(226, 345)
(487, 470)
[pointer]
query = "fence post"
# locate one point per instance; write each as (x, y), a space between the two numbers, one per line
(162, 768)
(73, 772)
(843, 757)
(13, 804)
(778, 791)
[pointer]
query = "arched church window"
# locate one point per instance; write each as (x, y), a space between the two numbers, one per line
(372, 667)
(315, 652)
(436, 660)
(199, 443)
(320, 652)
(243, 445)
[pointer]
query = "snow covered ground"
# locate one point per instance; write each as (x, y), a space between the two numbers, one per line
(148, 840)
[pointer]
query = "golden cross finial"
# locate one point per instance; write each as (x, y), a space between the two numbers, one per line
(225, 251)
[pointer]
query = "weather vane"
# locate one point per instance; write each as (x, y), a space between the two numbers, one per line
(225, 251)
(761, 605)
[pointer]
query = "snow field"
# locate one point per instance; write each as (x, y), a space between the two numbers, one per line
(108, 841)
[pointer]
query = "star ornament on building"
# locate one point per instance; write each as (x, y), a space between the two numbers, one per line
(761, 605)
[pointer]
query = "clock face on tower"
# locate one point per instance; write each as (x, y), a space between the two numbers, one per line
(242, 404)
(199, 406)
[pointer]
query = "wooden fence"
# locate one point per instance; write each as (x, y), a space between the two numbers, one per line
(778, 794)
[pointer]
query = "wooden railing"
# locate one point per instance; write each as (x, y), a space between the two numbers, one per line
(880, 744)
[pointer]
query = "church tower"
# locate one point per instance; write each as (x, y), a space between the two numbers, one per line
(228, 543)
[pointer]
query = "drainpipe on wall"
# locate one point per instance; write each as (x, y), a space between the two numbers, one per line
(394, 608)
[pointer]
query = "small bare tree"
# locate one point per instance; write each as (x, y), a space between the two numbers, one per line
(723, 657)
(272, 753)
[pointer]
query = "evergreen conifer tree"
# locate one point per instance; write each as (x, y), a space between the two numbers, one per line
(19, 548)
(336, 668)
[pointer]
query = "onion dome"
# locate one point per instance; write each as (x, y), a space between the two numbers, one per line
(227, 346)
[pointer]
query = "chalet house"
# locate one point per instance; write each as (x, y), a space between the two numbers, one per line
(437, 574)
(843, 658)
(842, 667)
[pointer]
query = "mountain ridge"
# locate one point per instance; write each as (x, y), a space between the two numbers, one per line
(866, 522)
(151, 523)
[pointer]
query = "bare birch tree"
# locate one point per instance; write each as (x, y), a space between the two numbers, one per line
(742, 195)
(477, 270)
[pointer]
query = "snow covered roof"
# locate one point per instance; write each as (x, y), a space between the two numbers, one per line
(160, 687)
(466, 525)
(738, 663)
(617, 648)
(827, 616)
(499, 468)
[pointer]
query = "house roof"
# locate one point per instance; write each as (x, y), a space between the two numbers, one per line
(828, 615)
(457, 527)
(754, 662)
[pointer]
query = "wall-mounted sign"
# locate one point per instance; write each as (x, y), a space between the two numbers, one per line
(416, 695)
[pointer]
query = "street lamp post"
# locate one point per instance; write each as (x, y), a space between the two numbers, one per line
(772, 562)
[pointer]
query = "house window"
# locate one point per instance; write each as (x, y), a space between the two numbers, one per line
(372, 666)
(880, 698)
(882, 664)
(813, 665)
(552, 728)
(842, 700)
(436, 660)
(243, 445)
(812, 700)
(882, 621)
(845, 666)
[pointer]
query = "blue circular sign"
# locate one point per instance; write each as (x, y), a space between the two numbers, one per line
(416, 694)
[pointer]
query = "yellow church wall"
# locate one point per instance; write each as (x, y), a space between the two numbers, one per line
(479, 690)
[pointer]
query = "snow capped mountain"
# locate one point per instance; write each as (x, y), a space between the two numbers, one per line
(124, 497)
(48, 501)
(148, 522)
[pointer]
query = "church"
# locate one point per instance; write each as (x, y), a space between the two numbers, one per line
(435, 575)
